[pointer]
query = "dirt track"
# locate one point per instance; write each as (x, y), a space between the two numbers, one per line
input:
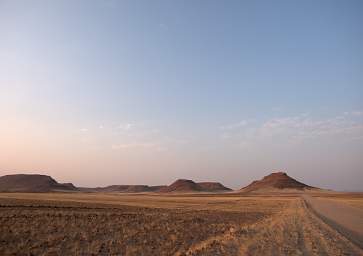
(348, 220)
(295, 231)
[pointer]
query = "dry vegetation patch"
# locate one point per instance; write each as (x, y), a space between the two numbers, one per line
(94, 224)
(40, 227)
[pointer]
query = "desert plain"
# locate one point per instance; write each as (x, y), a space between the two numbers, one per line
(79, 223)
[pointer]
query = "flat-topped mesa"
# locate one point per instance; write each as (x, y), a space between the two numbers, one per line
(32, 183)
(276, 180)
(213, 186)
(277, 173)
(124, 189)
(185, 185)
(157, 188)
(182, 185)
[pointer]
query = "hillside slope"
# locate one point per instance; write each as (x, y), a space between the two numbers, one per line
(276, 181)
(32, 183)
(185, 186)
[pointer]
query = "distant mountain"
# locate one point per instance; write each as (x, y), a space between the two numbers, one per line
(275, 181)
(156, 188)
(32, 183)
(184, 185)
(124, 189)
(213, 186)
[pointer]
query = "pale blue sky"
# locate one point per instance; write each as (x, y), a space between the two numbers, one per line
(101, 92)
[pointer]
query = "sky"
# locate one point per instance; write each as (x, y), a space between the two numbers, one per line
(145, 92)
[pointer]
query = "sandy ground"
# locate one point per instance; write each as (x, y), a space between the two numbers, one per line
(94, 224)
(345, 218)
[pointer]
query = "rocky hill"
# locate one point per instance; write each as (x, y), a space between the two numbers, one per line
(185, 186)
(32, 183)
(276, 181)
(124, 189)
(213, 186)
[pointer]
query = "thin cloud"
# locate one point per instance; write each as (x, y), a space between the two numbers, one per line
(240, 124)
(354, 113)
(133, 145)
(297, 128)
(302, 127)
(125, 127)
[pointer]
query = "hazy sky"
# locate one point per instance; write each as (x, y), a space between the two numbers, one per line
(145, 92)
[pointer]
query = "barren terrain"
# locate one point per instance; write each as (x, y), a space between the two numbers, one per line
(344, 217)
(146, 224)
